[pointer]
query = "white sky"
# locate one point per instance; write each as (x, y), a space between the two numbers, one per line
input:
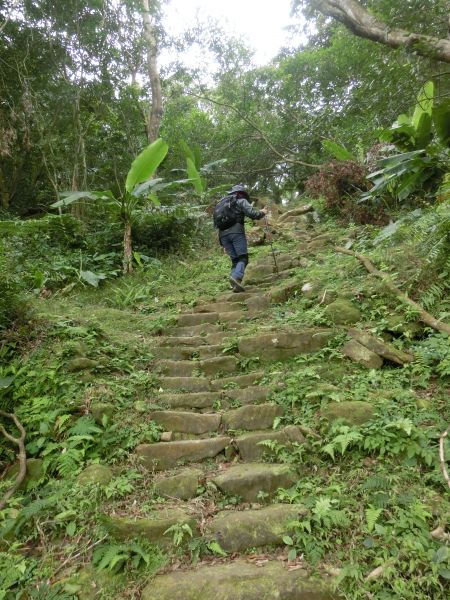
(259, 22)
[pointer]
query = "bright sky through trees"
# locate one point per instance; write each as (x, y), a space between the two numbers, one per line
(261, 23)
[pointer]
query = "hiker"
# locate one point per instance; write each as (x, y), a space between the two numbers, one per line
(229, 215)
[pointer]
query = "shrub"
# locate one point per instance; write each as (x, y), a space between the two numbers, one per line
(339, 183)
(164, 229)
(12, 304)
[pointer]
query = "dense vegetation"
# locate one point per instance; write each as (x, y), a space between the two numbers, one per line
(105, 237)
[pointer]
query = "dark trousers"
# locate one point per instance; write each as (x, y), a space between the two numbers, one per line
(235, 245)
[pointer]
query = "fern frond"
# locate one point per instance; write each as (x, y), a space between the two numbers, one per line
(372, 515)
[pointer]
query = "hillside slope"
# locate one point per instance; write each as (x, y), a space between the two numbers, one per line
(280, 443)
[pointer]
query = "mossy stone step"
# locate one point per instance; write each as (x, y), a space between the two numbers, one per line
(188, 352)
(218, 307)
(237, 381)
(188, 319)
(248, 480)
(186, 422)
(233, 297)
(279, 345)
(194, 400)
(238, 530)
(188, 384)
(209, 366)
(251, 448)
(249, 395)
(380, 347)
(181, 341)
(351, 412)
(183, 485)
(252, 417)
(165, 455)
(238, 580)
(151, 528)
(233, 317)
(193, 330)
(362, 355)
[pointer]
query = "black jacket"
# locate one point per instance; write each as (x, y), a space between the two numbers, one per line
(244, 209)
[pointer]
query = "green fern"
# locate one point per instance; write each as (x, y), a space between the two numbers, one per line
(372, 515)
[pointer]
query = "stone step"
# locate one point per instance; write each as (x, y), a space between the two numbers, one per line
(194, 330)
(209, 366)
(188, 352)
(189, 319)
(237, 530)
(166, 455)
(220, 337)
(238, 580)
(195, 400)
(218, 307)
(248, 395)
(279, 345)
(182, 486)
(186, 422)
(152, 528)
(251, 448)
(171, 341)
(233, 317)
(252, 417)
(187, 384)
(237, 381)
(233, 297)
(248, 480)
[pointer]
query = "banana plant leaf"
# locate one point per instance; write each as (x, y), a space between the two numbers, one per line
(338, 151)
(441, 119)
(146, 163)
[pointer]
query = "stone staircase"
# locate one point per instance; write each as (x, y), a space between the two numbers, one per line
(215, 412)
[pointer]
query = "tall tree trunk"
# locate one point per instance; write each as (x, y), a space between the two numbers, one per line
(364, 24)
(127, 248)
(154, 114)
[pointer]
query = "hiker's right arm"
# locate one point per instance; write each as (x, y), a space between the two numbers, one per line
(249, 210)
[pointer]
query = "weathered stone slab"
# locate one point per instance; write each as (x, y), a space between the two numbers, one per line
(152, 528)
(233, 317)
(282, 345)
(194, 330)
(247, 480)
(186, 422)
(219, 364)
(216, 307)
(362, 355)
(178, 368)
(188, 319)
(175, 353)
(258, 303)
(233, 297)
(182, 341)
(237, 381)
(183, 486)
(342, 312)
(380, 347)
(352, 412)
(165, 455)
(35, 472)
(238, 580)
(191, 400)
(100, 474)
(249, 395)
(252, 417)
(238, 530)
(282, 293)
(252, 450)
(210, 351)
(189, 384)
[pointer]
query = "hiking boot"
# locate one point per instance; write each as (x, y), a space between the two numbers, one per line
(236, 285)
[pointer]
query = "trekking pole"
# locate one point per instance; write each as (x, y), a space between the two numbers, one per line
(270, 239)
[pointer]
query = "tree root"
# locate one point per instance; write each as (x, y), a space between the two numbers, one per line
(424, 316)
(20, 442)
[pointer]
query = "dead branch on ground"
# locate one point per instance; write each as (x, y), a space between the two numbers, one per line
(20, 442)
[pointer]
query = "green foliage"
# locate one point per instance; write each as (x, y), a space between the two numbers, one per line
(180, 533)
(145, 164)
(337, 150)
(134, 555)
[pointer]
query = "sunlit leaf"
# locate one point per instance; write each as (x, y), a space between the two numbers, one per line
(146, 163)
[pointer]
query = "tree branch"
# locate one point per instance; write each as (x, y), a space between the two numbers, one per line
(263, 136)
(363, 24)
(424, 316)
(20, 442)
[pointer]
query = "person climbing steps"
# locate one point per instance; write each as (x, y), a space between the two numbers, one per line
(229, 215)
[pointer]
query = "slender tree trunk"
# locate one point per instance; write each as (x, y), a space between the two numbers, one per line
(362, 23)
(127, 248)
(155, 112)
